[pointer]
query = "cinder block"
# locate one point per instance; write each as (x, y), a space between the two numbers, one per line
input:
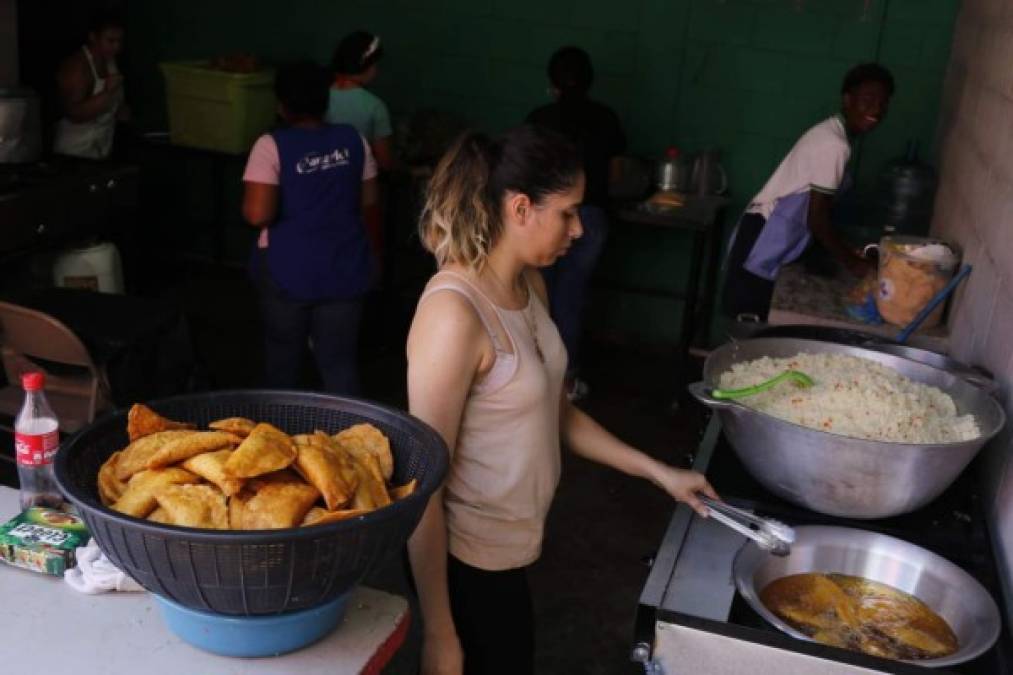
(1003, 521)
(759, 70)
(982, 296)
(996, 227)
(996, 353)
(607, 14)
(616, 53)
(965, 37)
(725, 23)
(923, 11)
(902, 44)
(962, 314)
(791, 30)
(936, 44)
(993, 466)
(548, 12)
(856, 40)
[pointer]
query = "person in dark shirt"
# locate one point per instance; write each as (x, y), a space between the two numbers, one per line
(594, 128)
(305, 187)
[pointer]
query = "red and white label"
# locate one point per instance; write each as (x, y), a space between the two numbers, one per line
(36, 449)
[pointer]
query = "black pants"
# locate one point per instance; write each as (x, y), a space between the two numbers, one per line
(494, 619)
(746, 293)
(289, 324)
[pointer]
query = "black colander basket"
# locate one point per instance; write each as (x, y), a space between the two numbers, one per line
(252, 573)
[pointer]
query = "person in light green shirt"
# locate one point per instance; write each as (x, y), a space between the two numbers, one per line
(355, 66)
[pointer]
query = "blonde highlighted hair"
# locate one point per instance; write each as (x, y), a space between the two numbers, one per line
(461, 218)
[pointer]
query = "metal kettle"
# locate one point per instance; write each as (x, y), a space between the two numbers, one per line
(673, 172)
(709, 177)
(20, 126)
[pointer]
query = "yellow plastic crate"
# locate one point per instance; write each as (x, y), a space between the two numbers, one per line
(217, 110)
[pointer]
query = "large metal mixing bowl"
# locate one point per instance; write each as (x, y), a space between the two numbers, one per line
(946, 589)
(839, 475)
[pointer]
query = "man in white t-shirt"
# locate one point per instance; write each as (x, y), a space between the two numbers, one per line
(794, 205)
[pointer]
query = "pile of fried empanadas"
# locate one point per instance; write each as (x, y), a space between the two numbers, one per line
(244, 475)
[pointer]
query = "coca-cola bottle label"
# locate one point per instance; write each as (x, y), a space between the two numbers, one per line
(36, 449)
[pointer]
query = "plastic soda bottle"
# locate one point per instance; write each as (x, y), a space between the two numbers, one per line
(36, 439)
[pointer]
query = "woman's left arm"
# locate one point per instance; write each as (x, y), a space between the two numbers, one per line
(590, 440)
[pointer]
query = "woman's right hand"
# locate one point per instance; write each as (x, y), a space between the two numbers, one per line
(442, 655)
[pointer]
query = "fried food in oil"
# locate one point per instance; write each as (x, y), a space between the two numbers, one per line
(861, 615)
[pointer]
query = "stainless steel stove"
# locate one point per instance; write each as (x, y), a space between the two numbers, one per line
(691, 619)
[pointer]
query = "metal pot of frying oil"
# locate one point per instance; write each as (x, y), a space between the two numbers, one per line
(870, 593)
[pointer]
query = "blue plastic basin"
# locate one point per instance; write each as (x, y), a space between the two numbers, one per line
(253, 636)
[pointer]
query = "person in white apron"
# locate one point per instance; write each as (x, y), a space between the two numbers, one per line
(91, 88)
(794, 205)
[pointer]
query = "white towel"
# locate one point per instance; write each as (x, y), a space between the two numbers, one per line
(95, 573)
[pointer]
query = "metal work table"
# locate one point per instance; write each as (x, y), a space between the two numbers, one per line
(701, 218)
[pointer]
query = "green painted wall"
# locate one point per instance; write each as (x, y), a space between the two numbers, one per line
(747, 76)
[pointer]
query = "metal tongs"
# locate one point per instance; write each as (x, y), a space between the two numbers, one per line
(769, 534)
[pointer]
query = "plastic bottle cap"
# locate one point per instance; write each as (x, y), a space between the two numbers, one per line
(672, 152)
(33, 381)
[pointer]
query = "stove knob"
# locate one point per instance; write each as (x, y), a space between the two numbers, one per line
(93, 188)
(111, 184)
(41, 229)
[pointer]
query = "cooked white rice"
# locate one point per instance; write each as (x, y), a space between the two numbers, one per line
(853, 397)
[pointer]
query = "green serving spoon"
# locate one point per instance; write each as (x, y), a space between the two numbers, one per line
(800, 379)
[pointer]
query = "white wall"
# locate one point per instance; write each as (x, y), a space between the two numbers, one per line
(974, 207)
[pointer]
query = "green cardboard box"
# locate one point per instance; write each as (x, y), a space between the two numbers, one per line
(43, 540)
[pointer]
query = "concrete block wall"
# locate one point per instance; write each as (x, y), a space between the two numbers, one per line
(974, 208)
(746, 76)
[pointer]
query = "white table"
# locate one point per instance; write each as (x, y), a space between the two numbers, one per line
(47, 625)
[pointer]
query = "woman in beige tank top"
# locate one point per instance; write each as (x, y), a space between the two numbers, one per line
(485, 369)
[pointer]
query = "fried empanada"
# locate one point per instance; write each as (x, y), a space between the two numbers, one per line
(191, 445)
(402, 491)
(160, 515)
(143, 421)
(194, 506)
(265, 450)
(371, 492)
(136, 455)
(363, 439)
(139, 498)
(279, 500)
(211, 467)
(331, 472)
(110, 488)
(237, 505)
(240, 426)
(319, 516)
